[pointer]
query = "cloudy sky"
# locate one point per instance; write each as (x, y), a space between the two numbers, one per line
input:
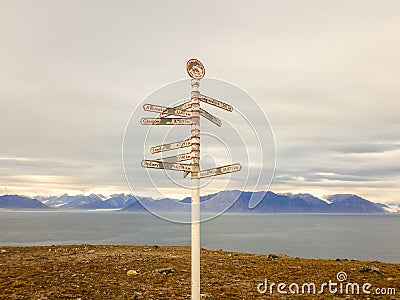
(326, 73)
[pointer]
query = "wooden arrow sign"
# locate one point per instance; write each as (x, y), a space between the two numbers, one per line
(183, 106)
(165, 121)
(176, 158)
(167, 110)
(171, 146)
(220, 170)
(166, 165)
(210, 117)
(216, 102)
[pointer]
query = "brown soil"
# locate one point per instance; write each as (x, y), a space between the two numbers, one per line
(101, 272)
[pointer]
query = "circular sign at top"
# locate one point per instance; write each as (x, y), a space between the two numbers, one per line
(195, 69)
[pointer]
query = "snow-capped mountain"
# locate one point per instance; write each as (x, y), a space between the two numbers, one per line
(233, 201)
(238, 201)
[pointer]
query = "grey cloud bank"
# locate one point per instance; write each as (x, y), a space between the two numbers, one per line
(325, 73)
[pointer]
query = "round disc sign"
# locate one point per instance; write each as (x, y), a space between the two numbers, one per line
(195, 69)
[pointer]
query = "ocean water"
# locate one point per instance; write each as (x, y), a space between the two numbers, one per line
(365, 237)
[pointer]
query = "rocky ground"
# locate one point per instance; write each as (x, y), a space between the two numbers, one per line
(153, 272)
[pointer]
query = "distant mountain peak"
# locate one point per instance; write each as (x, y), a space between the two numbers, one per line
(339, 197)
(20, 202)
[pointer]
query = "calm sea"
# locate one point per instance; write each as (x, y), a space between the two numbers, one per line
(365, 237)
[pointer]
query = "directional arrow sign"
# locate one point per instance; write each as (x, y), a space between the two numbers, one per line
(210, 117)
(215, 102)
(221, 170)
(176, 158)
(166, 121)
(166, 165)
(182, 106)
(168, 110)
(171, 146)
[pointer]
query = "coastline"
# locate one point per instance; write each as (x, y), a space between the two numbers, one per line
(102, 272)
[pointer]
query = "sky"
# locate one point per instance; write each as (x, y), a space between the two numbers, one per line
(325, 73)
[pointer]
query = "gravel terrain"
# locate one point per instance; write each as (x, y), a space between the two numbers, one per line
(163, 272)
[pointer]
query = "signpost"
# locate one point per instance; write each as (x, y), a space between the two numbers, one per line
(190, 112)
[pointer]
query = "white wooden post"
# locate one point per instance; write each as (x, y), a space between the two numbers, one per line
(195, 218)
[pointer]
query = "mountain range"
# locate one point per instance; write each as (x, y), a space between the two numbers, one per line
(235, 201)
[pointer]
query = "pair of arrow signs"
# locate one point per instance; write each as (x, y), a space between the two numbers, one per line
(170, 163)
(181, 110)
(166, 111)
(157, 164)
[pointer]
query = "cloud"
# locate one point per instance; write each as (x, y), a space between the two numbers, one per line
(325, 74)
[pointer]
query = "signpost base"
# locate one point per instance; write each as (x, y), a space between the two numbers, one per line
(195, 239)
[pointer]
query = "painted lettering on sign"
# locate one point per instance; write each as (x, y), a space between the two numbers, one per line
(220, 170)
(167, 110)
(166, 165)
(215, 102)
(166, 121)
(184, 106)
(171, 146)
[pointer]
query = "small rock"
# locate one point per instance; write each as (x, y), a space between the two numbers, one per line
(276, 256)
(132, 273)
(164, 271)
(3, 251)
(206, 297)
(137, 295)
(370, 269)
(91, 251)
(389, 279)
(272, 256)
